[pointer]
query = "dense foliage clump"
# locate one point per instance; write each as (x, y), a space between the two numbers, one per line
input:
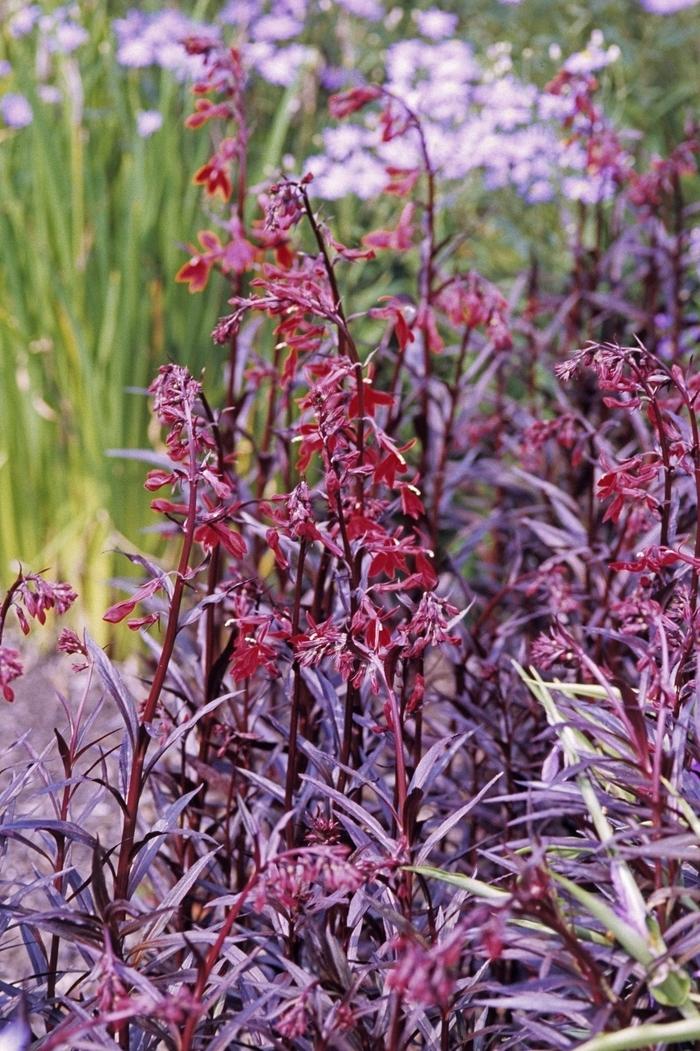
(414, 758)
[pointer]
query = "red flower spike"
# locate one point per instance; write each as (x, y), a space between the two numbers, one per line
(347, 102)
(213, 534)
(411, 502)
(143, 622)
(206, 110)
(399, 239)
(167, 507)
(120, 610)
(396, 310)
(195, 273)
(371, 397)
(427, 323)
(157, 479)
(215, 179)
(273, 541)
(350, 254)
(10, 669)
(426, 572)
(401, 181)
(239, 254)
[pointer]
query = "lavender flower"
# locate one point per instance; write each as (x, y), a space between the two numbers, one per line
(66, 37)
(148, 122)
(49, 94)
(280, 66)
(15, 110)
(158, 40)
(239, 12)
(24, 20)
(593, 57)
(371, 10)
(435, 24)
(667, 7)
(276, 27)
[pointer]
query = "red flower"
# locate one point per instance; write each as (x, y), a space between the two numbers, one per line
(411, 503)
(273, 541)
(653, 559)
(212, 534)
(196, 271)
(347, 102)
(401, 180)
(38, 596)
(122, 609)
(428, 325)
(10, 669)
(399, 239)
(322, 640)
(157, 479)
(206, 110)
(215, 178)
(238, 254)
(625, 482)
(430, 625)
(396, 311)
(253, 653)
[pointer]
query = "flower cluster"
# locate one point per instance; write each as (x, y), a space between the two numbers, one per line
(426, 974)
(31, 597)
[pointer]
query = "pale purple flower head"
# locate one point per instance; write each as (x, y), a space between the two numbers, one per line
(333, 78)
(371, 10)
(435, 24)
(134, 49)
(66, 37)
(239, 12)
(148, 122)
(667, 7)
(594, 56)
(5, 68)
(49, 94)
(15, 110)
(24, 20)
(588, 189)
(360, 174)
(276, 27)
(280, 66)
(158, 40)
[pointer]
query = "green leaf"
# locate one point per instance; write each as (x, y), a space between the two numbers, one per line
(475, 886)
(645, 1036)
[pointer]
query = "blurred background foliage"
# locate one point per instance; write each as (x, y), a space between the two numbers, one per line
(95, 217)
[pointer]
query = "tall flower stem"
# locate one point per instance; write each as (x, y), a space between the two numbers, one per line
(291, 779)
(143, 738)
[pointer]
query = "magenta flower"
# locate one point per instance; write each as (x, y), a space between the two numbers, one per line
(10, 669)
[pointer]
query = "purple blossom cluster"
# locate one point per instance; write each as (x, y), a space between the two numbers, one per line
(59, 29)
(478, 118)
(667, 7)
(157, 39)
(15, 110)
(58, 32)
